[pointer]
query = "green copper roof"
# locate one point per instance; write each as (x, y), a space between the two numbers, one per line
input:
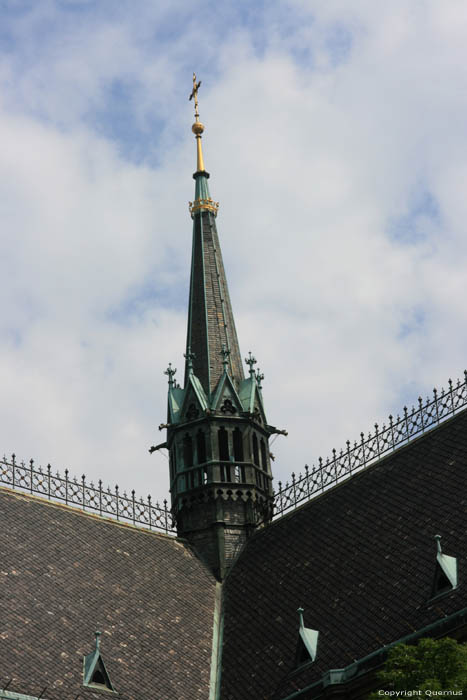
(202, 187)
(250, 396)
(175, 402)
(202, 201)
(196, 392)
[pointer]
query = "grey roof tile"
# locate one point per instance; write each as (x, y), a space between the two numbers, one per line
(360, 559)
(64, 574)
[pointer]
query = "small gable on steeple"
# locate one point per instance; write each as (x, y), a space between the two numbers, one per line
(225, 398)
(175, 401)
(250, 393)
(175, 396)
(195, 401)
(251, 400)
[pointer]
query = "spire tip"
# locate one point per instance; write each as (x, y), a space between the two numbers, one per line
(197, 127)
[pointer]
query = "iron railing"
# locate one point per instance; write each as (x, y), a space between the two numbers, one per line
(76, 492)
(400, 431)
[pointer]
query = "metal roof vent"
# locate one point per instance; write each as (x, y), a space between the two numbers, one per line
(94, 671)
(446, 571)
(307, 642)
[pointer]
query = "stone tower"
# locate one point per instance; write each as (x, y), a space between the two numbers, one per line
(217, 432)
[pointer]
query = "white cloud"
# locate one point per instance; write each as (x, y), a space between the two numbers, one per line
(314, 151)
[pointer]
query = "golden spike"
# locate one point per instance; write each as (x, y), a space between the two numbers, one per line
(197, 127)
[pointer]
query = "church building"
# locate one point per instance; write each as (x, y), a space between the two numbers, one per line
(234, 591)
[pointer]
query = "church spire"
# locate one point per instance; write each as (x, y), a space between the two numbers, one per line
(211, 326)
(217, 432)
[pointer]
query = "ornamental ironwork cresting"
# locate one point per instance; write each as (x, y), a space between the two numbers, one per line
(386, 439)
(88, 497)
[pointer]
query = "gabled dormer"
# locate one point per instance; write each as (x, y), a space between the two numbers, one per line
(95, 674)
(307, 642)
(445, 578)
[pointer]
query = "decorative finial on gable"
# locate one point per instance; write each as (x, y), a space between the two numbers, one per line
(98, 641)
(300, 614)
(259, 378)
(251, 361)
(189, 356)
(438, 544)
(170, 373)
(225, 352)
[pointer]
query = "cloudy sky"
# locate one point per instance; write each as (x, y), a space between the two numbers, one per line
(336, 142)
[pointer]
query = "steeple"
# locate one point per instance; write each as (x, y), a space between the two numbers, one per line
(217, 432)
(211, 325)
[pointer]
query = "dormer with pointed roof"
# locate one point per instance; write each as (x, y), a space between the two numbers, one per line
(95, 674)
(217, 436)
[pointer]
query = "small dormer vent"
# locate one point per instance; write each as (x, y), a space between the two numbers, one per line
(94, 671)
(307, 644)
(446, 571)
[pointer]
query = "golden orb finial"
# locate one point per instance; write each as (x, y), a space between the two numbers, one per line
(197, 127)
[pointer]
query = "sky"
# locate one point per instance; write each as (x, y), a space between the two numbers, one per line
(336, 143)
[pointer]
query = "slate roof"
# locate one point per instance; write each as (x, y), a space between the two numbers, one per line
(65, 574)
(360, 559)
(211, 323)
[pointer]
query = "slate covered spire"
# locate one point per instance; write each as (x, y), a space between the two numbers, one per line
(217, 431)
(211, 325)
